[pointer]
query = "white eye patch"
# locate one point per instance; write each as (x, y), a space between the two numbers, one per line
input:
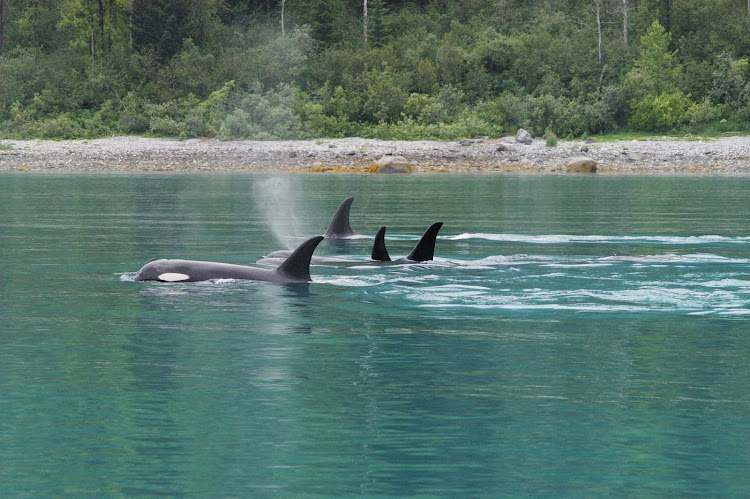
(173, 277)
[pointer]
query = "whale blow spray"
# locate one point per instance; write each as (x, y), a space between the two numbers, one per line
(276, 198)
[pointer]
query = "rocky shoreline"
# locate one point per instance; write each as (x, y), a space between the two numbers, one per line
(658, 156)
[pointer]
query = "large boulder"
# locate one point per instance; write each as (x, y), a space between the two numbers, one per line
(581, 164)
(523, 137)
(391, 164)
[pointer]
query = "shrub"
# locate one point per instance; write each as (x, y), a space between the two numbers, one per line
(263, 116)
(705, 113)
(662, 112)
(62, 126)
(164, 126)
(385, 96)
(550, 138)
(133, 123)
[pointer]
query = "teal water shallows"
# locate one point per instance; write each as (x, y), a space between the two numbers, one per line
(575, 336)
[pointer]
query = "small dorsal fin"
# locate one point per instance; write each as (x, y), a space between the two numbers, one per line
(379, 251)
(297, 265)
(339, 227)
(425, 248)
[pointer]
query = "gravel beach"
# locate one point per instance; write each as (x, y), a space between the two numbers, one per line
(657, 156)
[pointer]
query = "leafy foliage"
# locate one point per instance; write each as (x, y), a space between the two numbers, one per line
(431, 69)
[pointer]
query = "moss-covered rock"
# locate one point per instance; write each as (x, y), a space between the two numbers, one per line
(391, 164)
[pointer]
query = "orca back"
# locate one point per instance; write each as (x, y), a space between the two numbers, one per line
(297, 266)
(339, 227)
(379, 251)
(425, 248)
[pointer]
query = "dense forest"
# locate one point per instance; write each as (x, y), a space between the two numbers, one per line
(395, 69)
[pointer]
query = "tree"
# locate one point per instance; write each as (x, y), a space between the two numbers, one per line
(656, 70)
(31, 21)
(597, 4)
(625, 21)
(161, 26)
(364, 8)
(2, 28)
(665, 12)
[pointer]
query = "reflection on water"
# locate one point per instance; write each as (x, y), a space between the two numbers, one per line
(571, 334)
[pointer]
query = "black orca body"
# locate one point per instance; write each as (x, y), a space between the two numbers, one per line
(339, 227)
(296, 268)
(424, 250)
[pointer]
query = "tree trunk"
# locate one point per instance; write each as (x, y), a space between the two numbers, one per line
(625, 21)
(599, 32)
(667, 19)
(130, 27)
(2, 28)
(37, 37)
(364, 6)
(92, 49)
(111, 24)
(100, 14)
(283, 31)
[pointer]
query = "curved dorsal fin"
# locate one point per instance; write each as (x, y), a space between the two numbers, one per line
(425, 248)
(339, 227)
(379, 251)
(297, 265)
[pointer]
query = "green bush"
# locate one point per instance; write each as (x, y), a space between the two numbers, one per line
(164, 126)
(550, 138)
(263, 116)
(705, 113)
(62, 126)
(133, 124)
(664, 112)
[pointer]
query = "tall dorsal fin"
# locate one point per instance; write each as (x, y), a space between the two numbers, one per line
(297, 265)
(340, 227)
(379, 251)
(425, 248)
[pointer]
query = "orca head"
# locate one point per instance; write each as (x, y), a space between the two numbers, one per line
(154, 271)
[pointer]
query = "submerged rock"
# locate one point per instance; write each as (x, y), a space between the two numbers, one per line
(581, 164)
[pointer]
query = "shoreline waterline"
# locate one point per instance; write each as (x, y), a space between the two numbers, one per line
(726, 156)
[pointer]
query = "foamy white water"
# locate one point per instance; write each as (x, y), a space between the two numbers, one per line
(600, 239)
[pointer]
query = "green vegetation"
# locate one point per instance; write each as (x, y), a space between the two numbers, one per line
(397, 69)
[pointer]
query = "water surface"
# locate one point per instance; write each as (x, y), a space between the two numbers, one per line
(574, 336)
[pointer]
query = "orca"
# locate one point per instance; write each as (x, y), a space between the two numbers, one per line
(339, 227)
(423, 251)
(296, 268)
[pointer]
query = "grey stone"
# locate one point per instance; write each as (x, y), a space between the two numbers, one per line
(580, 164)
(523, 137)
(391, 164)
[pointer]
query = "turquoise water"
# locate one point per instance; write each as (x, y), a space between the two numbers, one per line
(575, 336)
